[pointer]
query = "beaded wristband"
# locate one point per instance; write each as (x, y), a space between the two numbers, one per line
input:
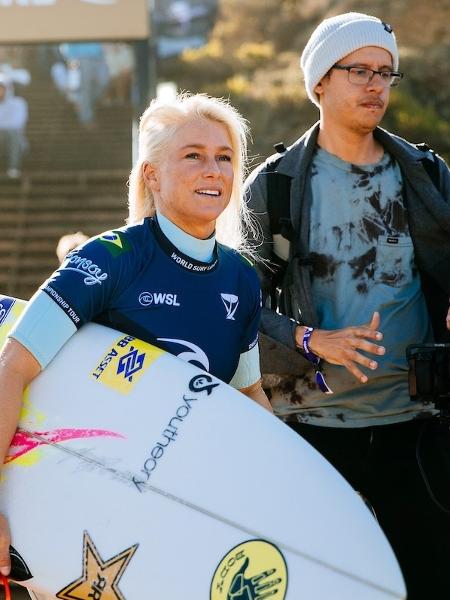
(308, 353)
(320, 378)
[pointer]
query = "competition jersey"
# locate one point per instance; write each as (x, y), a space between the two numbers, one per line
(135, 280)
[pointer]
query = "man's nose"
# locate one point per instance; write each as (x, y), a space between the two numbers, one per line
(376, 81)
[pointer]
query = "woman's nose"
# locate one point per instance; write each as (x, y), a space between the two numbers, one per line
(211, 168)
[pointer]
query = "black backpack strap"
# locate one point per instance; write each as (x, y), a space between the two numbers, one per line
(279, 197)
(431, 166)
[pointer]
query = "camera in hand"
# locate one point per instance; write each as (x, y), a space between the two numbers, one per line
(429, 375)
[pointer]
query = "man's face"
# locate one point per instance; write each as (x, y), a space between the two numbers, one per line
(359, 108)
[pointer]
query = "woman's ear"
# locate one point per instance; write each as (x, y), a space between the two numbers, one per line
(150, 173)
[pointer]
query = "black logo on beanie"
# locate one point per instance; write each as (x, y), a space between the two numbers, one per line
(387, 27)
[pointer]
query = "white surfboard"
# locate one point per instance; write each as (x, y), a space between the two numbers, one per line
(135, 475)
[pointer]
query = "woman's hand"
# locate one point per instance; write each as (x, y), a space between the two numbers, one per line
(341, 346)
(256, 393)
(5, 540)
(448, 317)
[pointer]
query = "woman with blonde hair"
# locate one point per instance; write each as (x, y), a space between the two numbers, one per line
(157, 126)
(164, 277)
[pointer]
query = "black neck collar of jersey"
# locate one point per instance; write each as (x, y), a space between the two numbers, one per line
(183, 260)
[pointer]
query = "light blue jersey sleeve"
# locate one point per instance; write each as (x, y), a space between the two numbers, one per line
(43, 328)
(248, 371)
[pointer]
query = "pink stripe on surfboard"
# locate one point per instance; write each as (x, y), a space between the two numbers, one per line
(25, 441)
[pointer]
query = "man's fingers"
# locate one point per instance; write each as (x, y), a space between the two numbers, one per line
(356, 357)
(366, 332)
(375, 321)
(371, 348)
(353, 369)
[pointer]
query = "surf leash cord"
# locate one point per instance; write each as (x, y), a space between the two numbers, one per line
(5, 582)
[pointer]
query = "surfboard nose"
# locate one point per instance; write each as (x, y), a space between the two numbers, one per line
(332, 525)
(294, 499)
(345, 535)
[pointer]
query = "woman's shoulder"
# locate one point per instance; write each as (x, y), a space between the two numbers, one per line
(239, 261)
(129, 240)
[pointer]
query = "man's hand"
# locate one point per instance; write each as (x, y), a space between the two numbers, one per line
(448, 317)
(340, 346)
(5, 538)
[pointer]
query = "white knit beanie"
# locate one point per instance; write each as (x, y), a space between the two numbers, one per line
(338, 36)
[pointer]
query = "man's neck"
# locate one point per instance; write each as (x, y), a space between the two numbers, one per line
(353, 147)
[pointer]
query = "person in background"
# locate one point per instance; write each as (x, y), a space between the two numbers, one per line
(120, 60)
(13, 120)
(366, 262)
(89, 59)
(185, 200)
(69, 242)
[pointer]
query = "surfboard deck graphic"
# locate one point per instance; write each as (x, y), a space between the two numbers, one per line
(134, 474)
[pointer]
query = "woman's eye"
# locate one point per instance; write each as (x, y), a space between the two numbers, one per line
(225, 157)
(193, 155)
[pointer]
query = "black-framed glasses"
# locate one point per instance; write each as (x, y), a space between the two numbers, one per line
(363, 75)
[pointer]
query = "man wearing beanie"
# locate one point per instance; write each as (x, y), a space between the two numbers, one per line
(355, 230)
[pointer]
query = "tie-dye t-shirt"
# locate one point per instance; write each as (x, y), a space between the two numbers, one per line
(362, 261)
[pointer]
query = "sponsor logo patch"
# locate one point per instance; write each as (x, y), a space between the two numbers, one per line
(158, 298)
(190, 352)
(254, 569)
(10, 310)
(6, 305)
(92, 273)
(125, 363)
(114, 242)
(231, 302)
(100, 578)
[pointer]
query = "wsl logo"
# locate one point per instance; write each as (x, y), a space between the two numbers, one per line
(158, 298)
(130, 363)
(231, 302)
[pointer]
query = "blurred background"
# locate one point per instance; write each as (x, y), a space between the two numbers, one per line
(76, 74)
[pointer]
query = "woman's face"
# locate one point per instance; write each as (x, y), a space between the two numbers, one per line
(192, 184)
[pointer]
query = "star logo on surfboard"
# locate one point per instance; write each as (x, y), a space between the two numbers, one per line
(100, 579)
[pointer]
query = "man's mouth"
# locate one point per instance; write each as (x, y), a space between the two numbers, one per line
(372, 103)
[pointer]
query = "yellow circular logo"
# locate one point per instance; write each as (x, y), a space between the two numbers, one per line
(253, 570)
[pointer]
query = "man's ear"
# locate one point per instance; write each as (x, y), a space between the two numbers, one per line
(319, 88)
(150, 173)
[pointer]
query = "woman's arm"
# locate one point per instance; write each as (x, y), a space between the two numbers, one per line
(18, 368)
